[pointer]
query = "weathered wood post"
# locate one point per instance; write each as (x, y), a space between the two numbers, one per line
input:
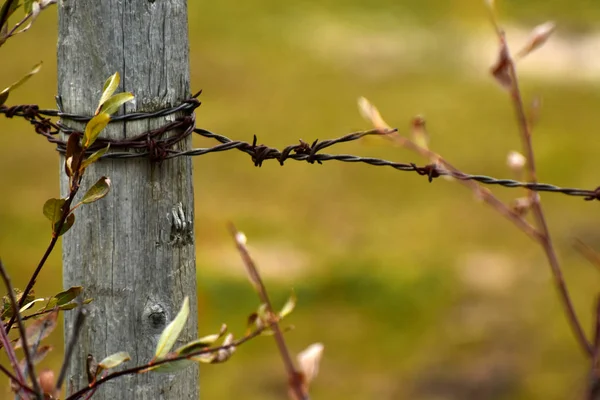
(123, 248)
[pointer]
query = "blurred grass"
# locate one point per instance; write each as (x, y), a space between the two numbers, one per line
(416, 289)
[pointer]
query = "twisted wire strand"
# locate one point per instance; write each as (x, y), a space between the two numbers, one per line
(151, 144)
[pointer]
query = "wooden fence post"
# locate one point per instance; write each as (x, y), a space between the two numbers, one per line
(125, 249)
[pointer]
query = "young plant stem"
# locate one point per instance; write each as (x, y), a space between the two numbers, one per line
(55, 235)
(141, 368)
(294, 380)
(593, 390)
(10, 353)
(478, 189)
(16, 381)
(590, 254)
(22, 332)
(78, 324)
(545, 238)
(539, 235)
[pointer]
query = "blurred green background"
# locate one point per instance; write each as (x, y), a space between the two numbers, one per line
(416, 290)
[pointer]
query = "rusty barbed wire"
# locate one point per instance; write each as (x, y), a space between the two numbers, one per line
(151, 144)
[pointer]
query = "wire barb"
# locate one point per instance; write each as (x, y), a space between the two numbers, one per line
(154, 145)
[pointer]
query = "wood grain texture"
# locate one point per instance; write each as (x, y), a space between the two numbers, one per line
(125, 249)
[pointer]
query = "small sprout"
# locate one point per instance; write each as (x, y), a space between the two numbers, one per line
(241, 238)
(254, 322)
(114, 360)
(289, 306)
(71, 306)
(501, 70)
(91, 368)
(521, 205)
(113, 104)
(226, 353)
(516, 161)
(172, 331)
(109, 88)
(539, 35)
(110, 362)
(34, 10)
(63, 297)
(201, 343)
(309, 361)
(371, 114)
(47, 381)
(419, 133)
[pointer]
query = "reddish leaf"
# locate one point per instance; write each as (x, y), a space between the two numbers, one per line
(39, 329)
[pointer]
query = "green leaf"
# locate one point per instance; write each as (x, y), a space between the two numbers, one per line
(27, 5)
(112, 105)
(114, 360)
(173, 330)
(66, 226)
(200, 343)
(98, 191)
(94, 127)
(4, 94)
(94, 157)
(289, 306)
(109, 88)
(39, 329)
(71, 306)
(171, 367)
(7, 311)
(53, 209)
(63, 297)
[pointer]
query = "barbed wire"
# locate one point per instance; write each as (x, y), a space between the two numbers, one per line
(153, 145)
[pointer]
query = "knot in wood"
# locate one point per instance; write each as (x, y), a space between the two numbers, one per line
(155, 316)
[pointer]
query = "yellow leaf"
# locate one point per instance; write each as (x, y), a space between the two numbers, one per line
(169, 336)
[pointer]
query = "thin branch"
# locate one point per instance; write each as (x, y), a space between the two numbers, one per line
(12, 357)
(590, 254)
(78, 324)
(477, 188)
(140, 368)
(546, 240)
(22, 333)
(55, 235)
(293, 375)
(593, 392)
(15, 380)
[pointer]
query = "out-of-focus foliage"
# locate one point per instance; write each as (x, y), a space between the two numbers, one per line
(415, 289)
